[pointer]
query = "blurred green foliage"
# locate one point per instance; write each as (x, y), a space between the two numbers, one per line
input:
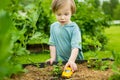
(110, 8)
(7, 67)
(92, 23)
(117, 12)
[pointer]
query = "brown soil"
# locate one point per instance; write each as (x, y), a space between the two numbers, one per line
(83, 73)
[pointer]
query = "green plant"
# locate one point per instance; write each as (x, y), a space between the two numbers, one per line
(7, 65)
(97, 64)
(30, 23)
(57, 71)
(116, 64)
(114, 77)
(90, 44)
(116, 67)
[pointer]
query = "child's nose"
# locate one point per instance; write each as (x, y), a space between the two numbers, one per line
(62, 17)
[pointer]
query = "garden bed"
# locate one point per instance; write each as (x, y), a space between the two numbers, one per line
(83, 73)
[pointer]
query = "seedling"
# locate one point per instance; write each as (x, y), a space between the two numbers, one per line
(57, 71)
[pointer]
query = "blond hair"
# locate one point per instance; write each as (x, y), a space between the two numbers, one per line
(56, 4)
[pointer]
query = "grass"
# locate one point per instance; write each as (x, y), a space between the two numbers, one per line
(32, 58)
(113, 34)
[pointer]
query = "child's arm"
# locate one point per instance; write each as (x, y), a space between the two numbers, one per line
(74, 54)
(71, 61)
(52, 54)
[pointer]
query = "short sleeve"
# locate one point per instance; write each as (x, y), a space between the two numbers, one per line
(51, 39)
(76, 38)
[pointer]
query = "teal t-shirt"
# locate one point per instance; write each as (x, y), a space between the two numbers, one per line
(65, 38)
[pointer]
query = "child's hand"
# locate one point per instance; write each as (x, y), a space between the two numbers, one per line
(51, 60)
(72, 65)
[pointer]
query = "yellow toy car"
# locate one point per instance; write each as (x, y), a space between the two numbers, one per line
(67, 73)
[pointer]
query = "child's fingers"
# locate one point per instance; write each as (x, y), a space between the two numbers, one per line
(72, 65)
(49, 61)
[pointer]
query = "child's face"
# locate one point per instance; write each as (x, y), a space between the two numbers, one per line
(63, 14)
